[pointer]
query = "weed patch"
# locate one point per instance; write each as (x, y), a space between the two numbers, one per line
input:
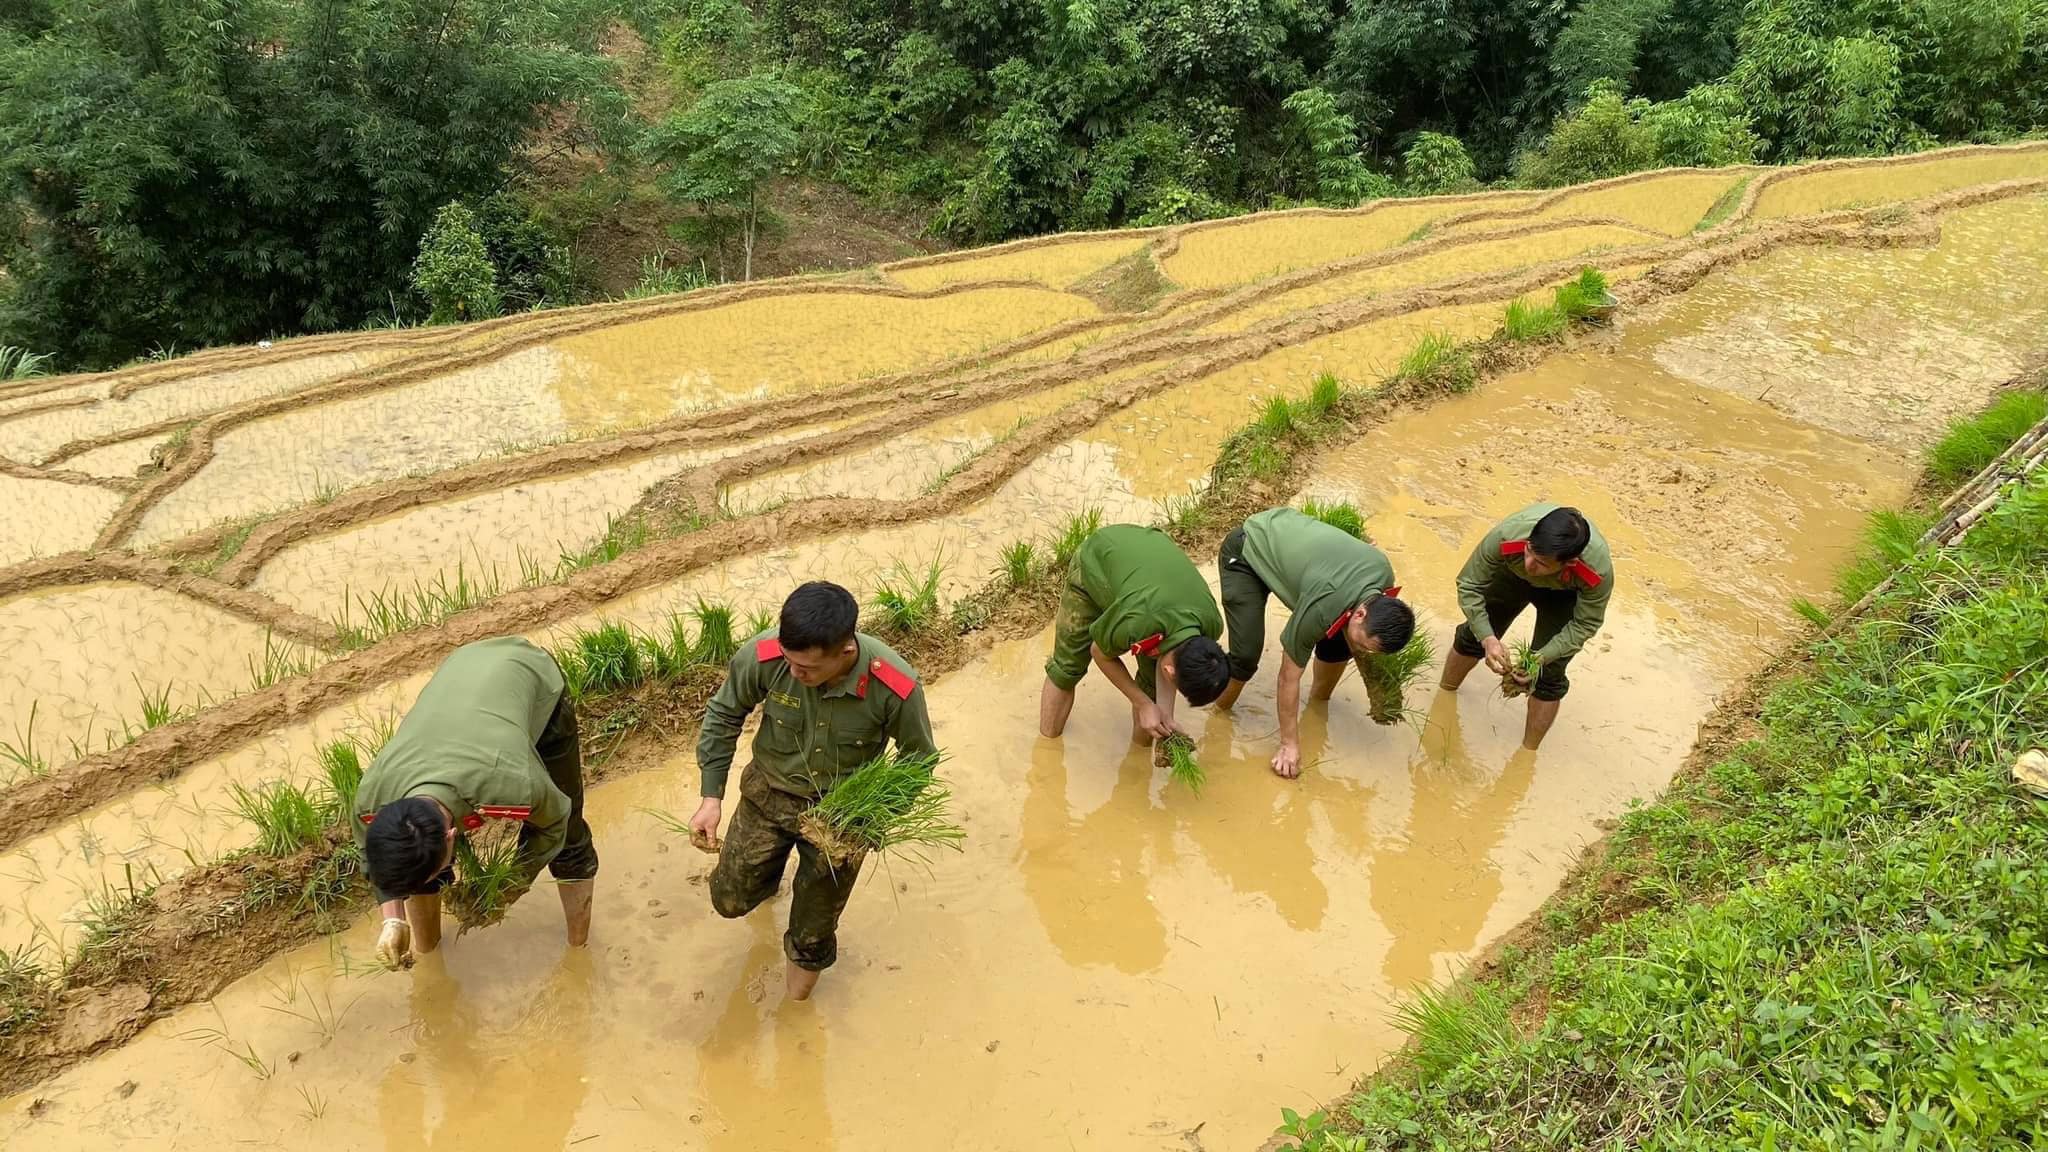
(1975, 442)
(1438, 362)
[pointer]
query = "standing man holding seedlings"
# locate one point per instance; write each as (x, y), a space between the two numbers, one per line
(1548, 556)
(831, 698)
(1341, 591)
(1133, 590)
(491, 737)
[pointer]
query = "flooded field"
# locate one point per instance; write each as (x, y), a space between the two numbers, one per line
(1226, 954)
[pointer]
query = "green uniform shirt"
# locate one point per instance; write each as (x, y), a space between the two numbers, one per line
(1318, 571)
(811, 738)
(1146, 587)
(469, 743)
(1499, 556)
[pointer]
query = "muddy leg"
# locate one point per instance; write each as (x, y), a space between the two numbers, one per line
(1324, 677)
(576, 900)
(1457, 666)
(423, 914)
(1542, 714)
(817, 897)
(1230, 694)
(1055, 704)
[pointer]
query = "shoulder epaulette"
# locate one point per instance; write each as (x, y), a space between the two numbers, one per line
(768, 648)
(896, 679)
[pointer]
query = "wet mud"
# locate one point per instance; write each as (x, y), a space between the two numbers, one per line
(46, 517)
(119, 461)
(1859, 184)
(1670, 203)
(1240, 251)
(1053, 265)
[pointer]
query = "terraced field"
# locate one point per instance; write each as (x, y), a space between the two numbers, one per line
(200, 558)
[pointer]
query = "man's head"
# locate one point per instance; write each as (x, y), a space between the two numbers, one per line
(818, 621)
(1381, 624)
(1556, 541)
(410, 842)
(1199, 669)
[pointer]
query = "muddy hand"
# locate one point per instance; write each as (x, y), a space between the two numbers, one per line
(1287, 761)
(704, 825)
(394, 945)
(1153, 720)
(1496, 656)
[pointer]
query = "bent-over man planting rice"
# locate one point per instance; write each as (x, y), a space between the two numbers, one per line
(831, 698)
(1341, 592)
(491, 737)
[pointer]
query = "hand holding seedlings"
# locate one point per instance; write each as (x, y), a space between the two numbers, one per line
(1497, 660)
(1524, 663)
(704, 825)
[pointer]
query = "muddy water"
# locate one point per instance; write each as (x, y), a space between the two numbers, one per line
(82, 657)
(1857, 187)
(635, 372)
(492, 535)
(36, 437)
(1053, 265)
(1266, 246)
(901, 467)
(117, 460)
(157, 832)
(1166, 443)
(1887, 346)
(1457, 263)
(1673, 204)
(45, 517)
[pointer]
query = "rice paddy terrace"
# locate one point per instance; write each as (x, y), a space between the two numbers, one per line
(213, 568)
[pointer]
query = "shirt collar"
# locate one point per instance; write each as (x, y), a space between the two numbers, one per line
(850, 684)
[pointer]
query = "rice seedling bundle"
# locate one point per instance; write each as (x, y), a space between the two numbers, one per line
(892, 803)
(1388, 675)
(487, 880)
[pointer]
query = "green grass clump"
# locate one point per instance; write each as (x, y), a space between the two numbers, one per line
(715, 640)
(1072, 534)
(1182, 766)
(1577, 298)
(422, 605)
(1975, 442)
(1526, 323)
(760, 620)
(19, 756)
(286, 816)
(1439, 361)
(620, 536)
(278, 662)
(1324, 395)
(668, 654)
(1185, 515)
(1890, 538)
(909, 601)
(21, 364)
(1830, 937)
(1388, 675)
(601, 660)
(1342, 514)
(1020, 563)
(892, 803)
(27, 989)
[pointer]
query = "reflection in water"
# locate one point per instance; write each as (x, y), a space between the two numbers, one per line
(1434, 887)
(470, 1085)
(1090, 877)
(763, 1065)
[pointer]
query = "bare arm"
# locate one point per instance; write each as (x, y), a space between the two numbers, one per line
(1287, 702)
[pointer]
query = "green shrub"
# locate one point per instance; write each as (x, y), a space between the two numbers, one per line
(1436, 164)
(1526, 322)
(453, 270)
(1973, 442)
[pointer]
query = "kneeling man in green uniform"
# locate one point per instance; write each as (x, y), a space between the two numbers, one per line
(1547, 556)
(1341, 591)
(1133, 590)
(831, 698)
(491, 737)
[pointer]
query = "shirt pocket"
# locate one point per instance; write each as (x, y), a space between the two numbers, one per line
(782, 729)
(858, 736)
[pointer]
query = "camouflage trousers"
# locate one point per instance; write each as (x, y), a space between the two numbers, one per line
(758, 840)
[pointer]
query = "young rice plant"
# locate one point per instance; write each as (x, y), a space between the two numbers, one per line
(1182, 766)
(1388, 675)
(892, 803)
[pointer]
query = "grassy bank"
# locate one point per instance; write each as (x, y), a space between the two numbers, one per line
(1834, 936)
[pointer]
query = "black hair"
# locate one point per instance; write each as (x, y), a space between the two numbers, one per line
(1201, 670)
(1561, 535)
(1390, 620)
(818, 615)
(404, 847)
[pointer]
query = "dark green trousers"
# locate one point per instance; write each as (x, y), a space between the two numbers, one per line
(758, 840)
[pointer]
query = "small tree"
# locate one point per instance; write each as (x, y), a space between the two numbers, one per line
(1601, 139)
(1436, 163)
(1705, 128)
(719, 152)
(1341, 176)
(453, 270)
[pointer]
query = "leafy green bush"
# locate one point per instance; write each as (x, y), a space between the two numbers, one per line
(1975, 441)
(1436, 164)
(1601, 139)
(1708, 127)
(453, 270)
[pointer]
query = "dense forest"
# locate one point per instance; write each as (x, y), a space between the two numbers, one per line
(175, 173)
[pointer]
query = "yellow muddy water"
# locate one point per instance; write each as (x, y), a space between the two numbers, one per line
(493, 535)
(81, 659)
(155, 833)
(635, 372)
(34, 438)
(1444, 266)
(45, 517)
(1863, 185)
(1263, 246)
(1673, 204)
(117, 460)
(1053, 265)
(1887, 346)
